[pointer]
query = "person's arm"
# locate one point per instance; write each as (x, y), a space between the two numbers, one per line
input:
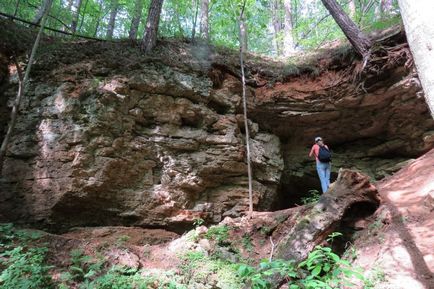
(312, 151)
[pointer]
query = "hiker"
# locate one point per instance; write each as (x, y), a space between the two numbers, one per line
(323, 159)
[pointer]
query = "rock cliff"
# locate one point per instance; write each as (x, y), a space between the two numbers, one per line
(107, 136)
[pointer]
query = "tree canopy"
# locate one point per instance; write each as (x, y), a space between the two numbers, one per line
(306, 23)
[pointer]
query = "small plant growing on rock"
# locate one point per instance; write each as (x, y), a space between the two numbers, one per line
(218, 233)
(312, 198)
(198, 222)
(247, 242)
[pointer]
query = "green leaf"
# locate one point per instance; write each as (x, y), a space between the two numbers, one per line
(316, 270)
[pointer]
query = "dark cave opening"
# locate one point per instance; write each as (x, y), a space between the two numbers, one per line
(295, 190)
(355, 218)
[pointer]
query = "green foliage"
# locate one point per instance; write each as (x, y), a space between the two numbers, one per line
(196, 268)
(322, 269)
(82, 266)
(23, 266)
(218, 233)
(247, 242)
(312, 198)
(198, 222)
(311, 24)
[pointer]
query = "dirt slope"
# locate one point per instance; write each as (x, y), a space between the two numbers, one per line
(397, 248)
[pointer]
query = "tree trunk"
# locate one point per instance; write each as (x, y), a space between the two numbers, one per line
(22, 86)
(417, 18)
(385, 7)
(357, 39)
(277, 26)
(204, 24)
(17, 5)
(352, 8)
(243, 34)
(243, 49)
(151, 28)
(75, 15)
(138, 8)
(82, 18)
(288, 39)
(349, 199)
(193, 29)
(98, 20)
(350, 188)
(113, 12)
(41, 12)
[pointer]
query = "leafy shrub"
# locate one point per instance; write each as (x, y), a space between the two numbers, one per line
(322, 269)
(25, 269)
(312, 198)
(218, 233)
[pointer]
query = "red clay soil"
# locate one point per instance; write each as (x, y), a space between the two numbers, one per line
(399, 245)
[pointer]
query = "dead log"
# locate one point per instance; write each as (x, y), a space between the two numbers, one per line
(351, 189)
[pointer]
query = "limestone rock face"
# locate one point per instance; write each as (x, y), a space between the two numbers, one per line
(142, 148)
(107, 136)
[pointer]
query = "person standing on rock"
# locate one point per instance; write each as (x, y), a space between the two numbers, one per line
(323, 159)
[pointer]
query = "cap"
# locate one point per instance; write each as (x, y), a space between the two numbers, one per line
(317, 139)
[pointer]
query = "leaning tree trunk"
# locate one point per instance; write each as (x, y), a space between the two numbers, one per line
(151, 28)
(350, 188)
(22, 86)
(113, 12)
(357, 39)
(351, 192)
(138, 7)
(75, 15)
(204, 22)
(288, 39)
(417, 18)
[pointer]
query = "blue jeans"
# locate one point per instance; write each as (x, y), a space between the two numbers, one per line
(323, 170)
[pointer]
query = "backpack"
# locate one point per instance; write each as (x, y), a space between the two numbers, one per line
(324, 155)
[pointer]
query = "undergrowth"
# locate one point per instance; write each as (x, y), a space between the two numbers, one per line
(23, 264)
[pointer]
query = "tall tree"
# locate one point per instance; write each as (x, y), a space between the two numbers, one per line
(22, 85)
(84, 13)
(385, 7)
(352, 8)
(204, 22)
(138, 8)
(151, 27)
(277, 26)
(98, 18)
(41, 11)
(357, 39)
(243, 33)
(17, 5)
(288, 39)
(417, 18)
(196, 9)
(75, 14)
(114, 5)
(242, 40)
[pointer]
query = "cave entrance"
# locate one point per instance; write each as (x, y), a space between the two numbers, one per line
(295, 190)
(355, 218)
